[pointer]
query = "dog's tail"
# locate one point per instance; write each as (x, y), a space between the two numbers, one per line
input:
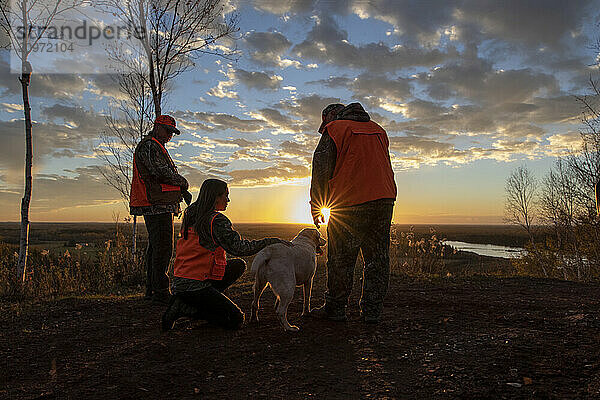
(261, 259)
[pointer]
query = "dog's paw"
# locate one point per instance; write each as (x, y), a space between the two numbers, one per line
(292, 328)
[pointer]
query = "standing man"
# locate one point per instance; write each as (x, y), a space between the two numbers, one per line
(352, 175)
(156, 191)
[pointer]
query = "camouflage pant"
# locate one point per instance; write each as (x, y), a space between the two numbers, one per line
(158, 253)
(364, 227)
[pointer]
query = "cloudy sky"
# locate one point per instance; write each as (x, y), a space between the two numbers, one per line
(467, 90)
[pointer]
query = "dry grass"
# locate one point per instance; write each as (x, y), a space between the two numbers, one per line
(67, 266)
(108, 269)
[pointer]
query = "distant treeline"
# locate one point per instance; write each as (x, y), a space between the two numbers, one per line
(96, 233)
(68, 233)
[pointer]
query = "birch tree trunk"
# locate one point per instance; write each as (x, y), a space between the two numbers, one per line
(156, 98)
(25, 201)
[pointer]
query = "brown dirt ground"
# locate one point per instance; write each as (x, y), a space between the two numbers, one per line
(465, 338)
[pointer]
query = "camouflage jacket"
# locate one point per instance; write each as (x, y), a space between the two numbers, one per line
(153, 158)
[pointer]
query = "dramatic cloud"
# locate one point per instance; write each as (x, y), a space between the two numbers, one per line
(221, 121)
(69, 132)
(196, 176)
(11, 108)
(222, 90)
(412, 152)
(521, 120)
(558, 109)
(283, 171)
(67, 195)
(373, 90)
(87, 123)
(308, 109)
(418, 21)
(258, 80)
(277, 121)
(476, 80)
(268, 49)
(105, 85)
(560, 144)
(283, 7)
(327, 43)
(526, 23)
(295, 150)
(531, 23)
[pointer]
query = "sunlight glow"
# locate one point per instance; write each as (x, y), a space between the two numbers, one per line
(326, 212)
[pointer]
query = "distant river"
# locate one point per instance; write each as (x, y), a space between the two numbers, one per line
(490, 250)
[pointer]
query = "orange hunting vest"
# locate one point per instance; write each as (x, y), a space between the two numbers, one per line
(363, 171)
(145, 192)
(193, 261)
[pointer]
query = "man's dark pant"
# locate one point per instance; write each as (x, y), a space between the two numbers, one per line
(158, 253)
(211, 304)
(363, 227)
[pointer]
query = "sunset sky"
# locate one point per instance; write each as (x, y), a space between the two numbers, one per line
(467, 90)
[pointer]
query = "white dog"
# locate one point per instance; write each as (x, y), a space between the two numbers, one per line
(285, 267)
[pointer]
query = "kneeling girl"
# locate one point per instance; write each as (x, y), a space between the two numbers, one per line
(202, 271)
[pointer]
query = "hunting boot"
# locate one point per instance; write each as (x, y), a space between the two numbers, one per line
(171, 314)
(326, 312)
(177, 308)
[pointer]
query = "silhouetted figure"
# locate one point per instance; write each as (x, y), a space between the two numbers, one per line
(202, 271)
(352, 175)
(156, 191)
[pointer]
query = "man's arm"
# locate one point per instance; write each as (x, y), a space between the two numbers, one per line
(323, 165)
(151, 155)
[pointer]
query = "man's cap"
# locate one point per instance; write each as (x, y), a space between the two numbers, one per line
(326, 111)
(168, 123)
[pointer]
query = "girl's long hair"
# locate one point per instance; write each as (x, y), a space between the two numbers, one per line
(198, 214)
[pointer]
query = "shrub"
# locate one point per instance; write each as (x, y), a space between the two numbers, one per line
(76, 270)
(414, 256)
(571, 254)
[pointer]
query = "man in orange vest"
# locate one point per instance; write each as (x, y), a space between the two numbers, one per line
(156, 191)
(353, 177)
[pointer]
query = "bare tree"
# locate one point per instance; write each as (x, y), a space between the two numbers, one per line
(172, 34)
(586, 163)
(558, 201)
(123, 132)
(568, 201)
(521, 190)
(24, 14)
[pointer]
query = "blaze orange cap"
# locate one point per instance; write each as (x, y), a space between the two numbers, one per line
(330, 108)
(168, 122)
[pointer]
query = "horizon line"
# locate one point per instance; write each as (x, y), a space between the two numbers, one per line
(262, 222)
